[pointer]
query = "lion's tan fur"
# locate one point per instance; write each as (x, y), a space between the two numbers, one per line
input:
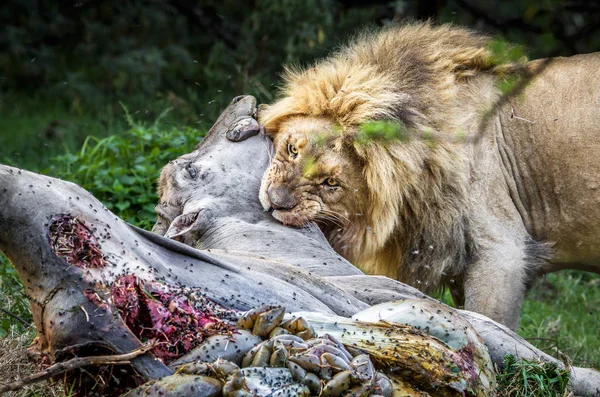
(414, 227)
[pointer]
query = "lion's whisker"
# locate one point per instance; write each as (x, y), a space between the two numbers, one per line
(337, 215)
(337, 218)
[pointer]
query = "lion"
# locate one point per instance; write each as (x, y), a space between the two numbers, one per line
(517, 197)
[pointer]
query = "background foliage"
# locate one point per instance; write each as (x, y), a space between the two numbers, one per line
(121, 170)
(64, 66)
(70, 69)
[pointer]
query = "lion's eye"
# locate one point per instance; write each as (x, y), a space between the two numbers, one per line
(331, 182)
(292, 150)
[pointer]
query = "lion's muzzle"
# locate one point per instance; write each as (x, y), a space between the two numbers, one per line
(281, 198)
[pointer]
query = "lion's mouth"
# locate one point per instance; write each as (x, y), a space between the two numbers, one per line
(290, 216)
(285, 216)
(298, 214)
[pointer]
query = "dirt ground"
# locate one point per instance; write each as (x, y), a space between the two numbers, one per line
(15, 364)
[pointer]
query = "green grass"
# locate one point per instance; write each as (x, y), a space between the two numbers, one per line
(12, 300)
(562, 316)
(522, 378)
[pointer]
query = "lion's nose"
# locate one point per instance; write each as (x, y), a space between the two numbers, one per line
(280, 198)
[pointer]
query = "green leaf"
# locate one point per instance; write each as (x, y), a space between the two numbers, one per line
(123, 205)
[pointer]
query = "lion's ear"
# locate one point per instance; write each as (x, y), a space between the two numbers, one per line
(272, 116)
(468, 62)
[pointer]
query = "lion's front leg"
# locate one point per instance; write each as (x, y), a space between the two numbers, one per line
(496, 283)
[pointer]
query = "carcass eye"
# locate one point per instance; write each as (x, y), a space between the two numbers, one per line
(192, 171)
(292, 150)
(331, 182)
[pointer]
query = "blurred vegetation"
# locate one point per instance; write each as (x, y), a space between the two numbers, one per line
(68, 71)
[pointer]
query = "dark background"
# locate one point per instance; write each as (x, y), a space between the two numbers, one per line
(68, 68)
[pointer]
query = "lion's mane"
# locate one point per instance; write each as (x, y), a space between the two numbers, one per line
(423, 76)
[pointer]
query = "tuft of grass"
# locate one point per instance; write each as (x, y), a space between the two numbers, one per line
(523, 378)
